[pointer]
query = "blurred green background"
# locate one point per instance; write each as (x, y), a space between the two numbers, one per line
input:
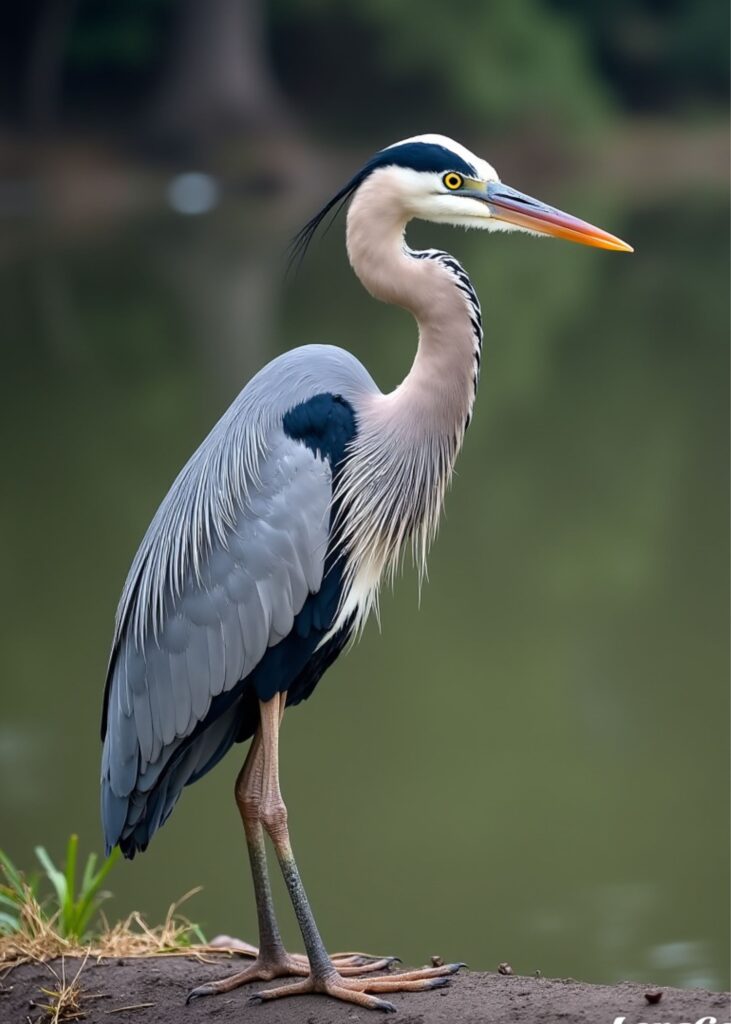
(533, 765)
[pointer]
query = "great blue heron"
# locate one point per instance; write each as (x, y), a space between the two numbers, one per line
(266, 555)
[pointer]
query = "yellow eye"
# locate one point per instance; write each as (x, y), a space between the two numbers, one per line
(452, 180)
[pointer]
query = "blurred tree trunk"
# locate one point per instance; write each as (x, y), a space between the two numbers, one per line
(218, 80)
(45, 62)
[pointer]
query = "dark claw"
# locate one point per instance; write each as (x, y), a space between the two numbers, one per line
(439, 982)
(255, 999)
(453, 968)
(383, 1004)
(197, 993)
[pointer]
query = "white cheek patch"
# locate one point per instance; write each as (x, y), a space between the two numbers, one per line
(451, 208)
(408, 183)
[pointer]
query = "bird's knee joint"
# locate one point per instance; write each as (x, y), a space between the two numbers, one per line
(248, 798)
(273, 816)
(248, 807)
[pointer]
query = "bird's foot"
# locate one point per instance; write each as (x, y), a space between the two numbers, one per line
(364, 992)
(264, 968)
(280, 964)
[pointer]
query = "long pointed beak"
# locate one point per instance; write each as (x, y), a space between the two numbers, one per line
(512, 206)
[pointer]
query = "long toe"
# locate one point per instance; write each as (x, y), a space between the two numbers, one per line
(261, 970)
(396, 984)
(428, 972)
(337, 988)
(356, 966)
(402, 980)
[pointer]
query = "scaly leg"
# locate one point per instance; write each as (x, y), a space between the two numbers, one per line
(323, 976)
(271, 960)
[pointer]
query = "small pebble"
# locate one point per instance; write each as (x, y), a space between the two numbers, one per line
(504, 968)
(436, 961)
(653, 997)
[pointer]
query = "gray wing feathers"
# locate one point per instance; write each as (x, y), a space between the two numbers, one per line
(227, 562)
(243, 599)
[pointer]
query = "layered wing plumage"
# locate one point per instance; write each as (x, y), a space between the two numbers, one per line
(232, 565)
(241, 599)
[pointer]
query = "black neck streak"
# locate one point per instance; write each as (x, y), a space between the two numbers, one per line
(462, 281)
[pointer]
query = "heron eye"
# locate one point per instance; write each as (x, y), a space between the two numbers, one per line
(453, 181)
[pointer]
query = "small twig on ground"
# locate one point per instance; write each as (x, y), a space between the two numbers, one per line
(135, 1006)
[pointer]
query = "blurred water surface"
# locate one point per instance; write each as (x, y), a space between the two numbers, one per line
(532, 765)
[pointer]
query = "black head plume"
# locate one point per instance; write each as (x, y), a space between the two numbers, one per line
(301, 241)
(419, 156)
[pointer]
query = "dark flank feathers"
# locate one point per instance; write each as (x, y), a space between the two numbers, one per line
(325, 424)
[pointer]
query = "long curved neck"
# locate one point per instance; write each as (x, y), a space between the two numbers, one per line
(394, 479)
(439, 391)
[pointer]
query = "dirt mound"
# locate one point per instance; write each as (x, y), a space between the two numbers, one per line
(154, 990)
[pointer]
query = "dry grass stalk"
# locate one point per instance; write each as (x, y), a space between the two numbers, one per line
(38, 939)
(134, 1006)
(64, 999)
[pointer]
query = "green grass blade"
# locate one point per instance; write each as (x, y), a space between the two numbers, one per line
(57, 880)
(88, 872)
(12, 874)
(13, 901)
(8, 923)
(107, 865)
(88, 908)
(69, 910)
(109, 862)
(90, 898)
(32, 882)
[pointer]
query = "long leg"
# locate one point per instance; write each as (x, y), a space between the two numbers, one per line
(248, 797)
(273, 814)
(271, 960)
(323, 976)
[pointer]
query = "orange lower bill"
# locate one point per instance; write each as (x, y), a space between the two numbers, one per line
(515, 208)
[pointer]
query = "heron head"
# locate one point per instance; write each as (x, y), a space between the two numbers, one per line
(442, 181)
(434, 178)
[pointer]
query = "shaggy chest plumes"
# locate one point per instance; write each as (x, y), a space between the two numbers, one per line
(392, 485)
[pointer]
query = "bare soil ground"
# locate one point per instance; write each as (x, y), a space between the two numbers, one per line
(150, 990)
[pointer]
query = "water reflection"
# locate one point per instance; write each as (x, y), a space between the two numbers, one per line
(532, 766)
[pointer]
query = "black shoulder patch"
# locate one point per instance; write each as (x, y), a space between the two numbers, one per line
(325, 423)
